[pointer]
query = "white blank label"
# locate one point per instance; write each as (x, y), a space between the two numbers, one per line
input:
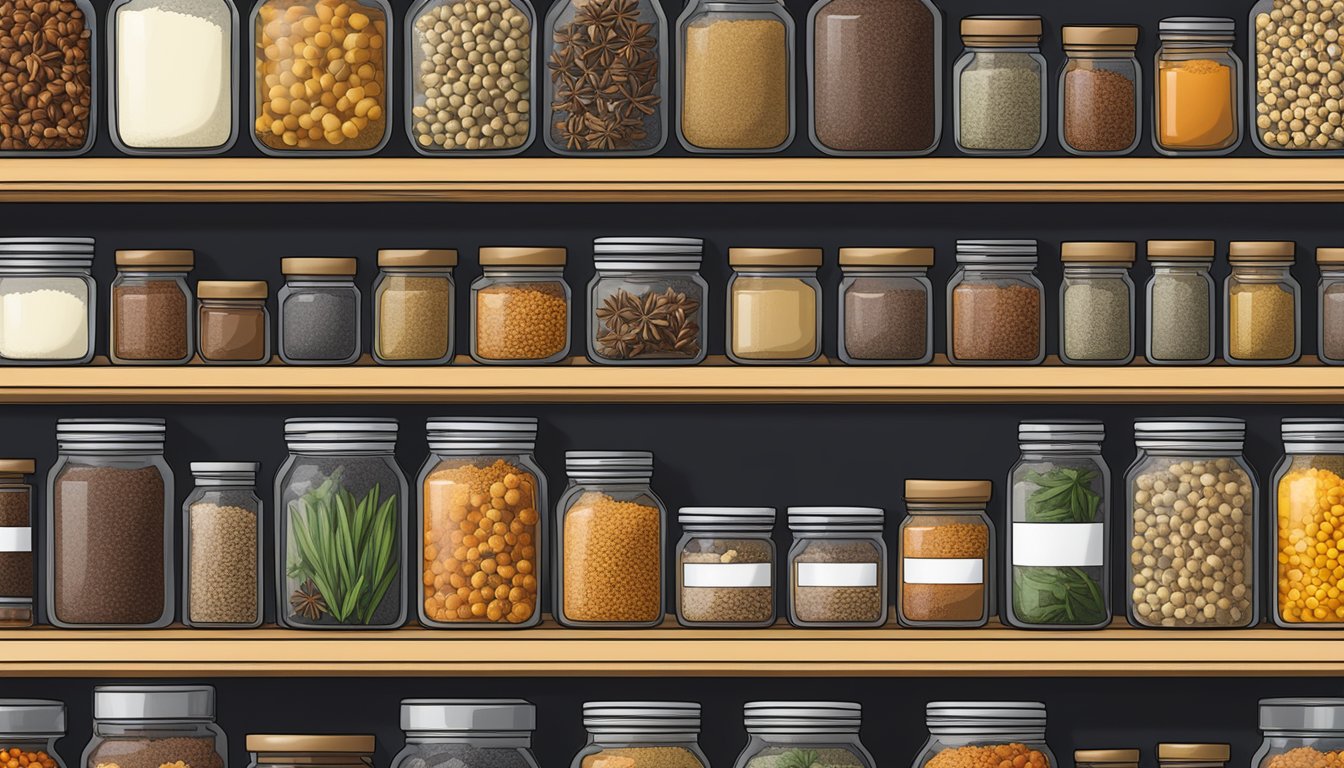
(943, 570)
(16, 539)
(837, 574)
(1058, 544)
(725, 575)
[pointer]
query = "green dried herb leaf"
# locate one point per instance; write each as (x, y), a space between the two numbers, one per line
(1050, 595)
(1063, 495)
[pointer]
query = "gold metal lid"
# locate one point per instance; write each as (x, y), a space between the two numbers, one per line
(417, 257)
(1330, 255)
(886, 257)
(1261, 250)
(774, 257)
(1099, 38)
(1181, 249)
(1097, 252)
(1001, 31)
(232, 289)
(351, 743)
(319, 266)
(523, 257)
(1106, 756)
(948, 490)
(1171, 751)
(158, 259)
(17, 466)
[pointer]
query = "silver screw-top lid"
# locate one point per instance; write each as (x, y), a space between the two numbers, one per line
(1194, 432)
(467, 715)
(1301, 435)
(609, 465)
(627, 716)
(341, 434)
(802, 716)
(46, 252)
(133, 435)
(648, 253)
(962, 717)
(1061, 431)
(1302, 714)
(1196, 28)
(231, 472)
(32, 717)
(814, 519)
(1006, 252)
(468, 434)
(154, 702)
(726, 518)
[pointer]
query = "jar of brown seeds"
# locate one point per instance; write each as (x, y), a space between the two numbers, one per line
(837, 567)
(647, 301)
(726, 567)
(221, 546)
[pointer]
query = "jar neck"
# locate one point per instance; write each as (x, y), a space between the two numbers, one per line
(1261, 269)
(1024, 270)
(444, 272)
(332, 449)
(1196, 45)
(234, 303)
(1012, 48)
(884, 271)
(946, 508)
(1096, 270)
(330, 760)
(1125, 55)
(486, 739)
(522, 271)
(1060, 449)
(798, 272)
(136, 727)
(148, 274)
(320, 279)
(1181, 267)
(610, 737)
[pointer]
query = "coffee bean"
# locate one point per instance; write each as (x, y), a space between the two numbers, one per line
(46, 89)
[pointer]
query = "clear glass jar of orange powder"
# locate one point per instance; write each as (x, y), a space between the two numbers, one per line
(1199, 100)
(1308, 524)
(968, 733)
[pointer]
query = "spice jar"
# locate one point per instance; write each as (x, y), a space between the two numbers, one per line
(319, 312)
(886, 305)
(520, 307)
(485, 571)
(1261, 305)
(1097, 304)
(1308, 483)
(641, 734)
(612, 528)
(18, 571)
(320, 79)
(151, 308)
(233, 325)
(1099, 89)
(946, 562)
(1199, 97)
(1106, 758)
(781, 732)
(453, 733)
(221, 546)
(1193, 755)
(726, 567)
(647, 301)
(174, 76)
(1330, 305)
(150, 726)
(978, 732)
(109, 523)
(47, 299)
(1295, 90)
(310, 751)
(774, 305)
(996, 304)
(1193, 497)
(32, 726)
(1179, 301)
(65, 125)
(340, 480)
(1296, 731)
(999, 89)
(1058, 531)
(837, 567)
(413, 307)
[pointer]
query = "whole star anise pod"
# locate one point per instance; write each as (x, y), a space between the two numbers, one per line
(307, 601)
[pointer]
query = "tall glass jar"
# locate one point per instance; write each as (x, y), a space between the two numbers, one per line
(1308, 483)
(1193, 531)
(221, 546)
(233, 325)
(1058, 574)
(150, 726)
(520, 307)
(319, 312)
(109, 523)
(1099, 90)
(1296, 106)
(450, 733)
(47, 300)
(18, 568)
(774, 305)
(1199, 97)
(647, 301)
(66, 125)
(1299, 729)
(340, 476)
(32, 726)
(837, 567)
(641, 734)
(885, 305)
(611, 533)
(778, 731)
(1179, 302)
(999, 90)
(310, 750)
(973, 732)
(482, 523)
(996, 304)
(946, 563)
(1262, 304)
(151, 308)
(1330, 306)
(413, 306)
(1096, 300)
(726, 567)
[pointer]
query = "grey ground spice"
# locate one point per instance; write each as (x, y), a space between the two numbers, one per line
(838, 604)
(1096, 320)
(728, 604)
(1000, 107)
(149, 321)
(1179, 315)
(155, 753)
(16, 568)
(433, 754)
(885, 323)
(996, 322)
(223, 564)
(320, 324)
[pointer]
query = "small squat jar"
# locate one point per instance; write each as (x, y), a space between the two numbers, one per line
(647, 301)
(641, 733)
(837, 567)
(413, 307)
(452, 733)
(1096, 300)
(18, 567)
(886, 306)
(233, 325)
(774, 305)
(726, 567)
(1300, 732)
(1198, 95)
(151, 308)
(945, 567)
(996, 304)
(1262, 305)
(1106, 758)
(221, 546)
(520, 307)
(1179, 303)
(32, 726)
(778, 731)
(973, 732)
(999, 88)
(1099, 91)
(49, 298)
(148, 726)
(1307, 485)
(1330, 306)
(319, 312)
(309, 751)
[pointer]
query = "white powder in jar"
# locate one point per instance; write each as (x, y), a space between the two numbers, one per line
(44, 324)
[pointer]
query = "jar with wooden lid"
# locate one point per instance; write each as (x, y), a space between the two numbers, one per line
(1106, 758)
(1179, 303)
(641, 734)
(1300, 732)
(319, 312)
(1099, 90)
(774, 305)
(18, 567)
(1199, 99)
(310, 751)
(413, 306)
(1330, 306)
(1096, 299)
(233, 325)
(886, 306)
(520, 307)
(151, 308)
(1175, 755)
(996, 304)
(837, 567)
(1262, 304)
(999, 86)
(946, 562)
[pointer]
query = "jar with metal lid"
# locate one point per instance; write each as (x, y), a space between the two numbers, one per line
(453, 733)
(151, 308)
(1106, 758)
(150, 726)
(647, 301)
(611, 533)
(1295, 106)
(837, 567)
(413, 306)
(1308, 483)
(999, 86)
(1059, 528)
(726, 567)
(1096, 300)
(1299, 732)
(319, 311)
(109, 522)
(221, 546)
(1179, 301)
(1171, 755)
(1194, 527)
(781, 732)
(974, 732)
(996, 304)
(310, 750)
(32, 726)
(233, 325)
(946, 562)
(641, 734)
(1262, 304)
(340, 481)
(1099, 90)
(47, 300)
(1199, 98)
(774, 305)
(18, 568)
(886, 306)
(520, 307)
(482, 523)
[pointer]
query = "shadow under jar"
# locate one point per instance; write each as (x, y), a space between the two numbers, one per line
(65, 126)
(1099, 90)
(232, 321)
(319, 312)
(151, 308)
(781, 734)
(641, 734)
(221, 546)
(1308, 484)
(886, 306)
(996, 304)
(726, 567)
(837, 567)
(461, 733)
(1298, 732)
(310, 750)
(647, 301)
(774, 306)
(18, 567)
(1198, 94)
(1179, 302)
(946, 563)
(413, 307)
(1262, 305)
(985, 732)
(32, 727)
(520, 307)
(1096, 300)
(47, 300)
(999, 88)
(150, 726)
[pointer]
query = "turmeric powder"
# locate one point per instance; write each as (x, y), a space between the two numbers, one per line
(1196, 105)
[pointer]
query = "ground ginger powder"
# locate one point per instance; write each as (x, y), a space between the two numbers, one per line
(1196, 105)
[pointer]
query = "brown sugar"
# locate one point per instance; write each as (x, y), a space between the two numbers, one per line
(612, 560)
(993, 322)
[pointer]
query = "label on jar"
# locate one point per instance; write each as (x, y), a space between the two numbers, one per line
(837, 574)
(725, 575)
(16, 539)
(1058, 544)
(943, 570)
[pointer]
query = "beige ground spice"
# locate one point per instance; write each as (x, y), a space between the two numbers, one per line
(736, 90)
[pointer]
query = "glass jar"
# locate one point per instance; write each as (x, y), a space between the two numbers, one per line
(482, 467)
(1193, 755)
(319, 312)
(611, 533)
(413, 306)
(780, 732)
(1199, 96)
(641, 734)
(1059, 532)
(647, 301)
(1179, 302)
(736, 76)
(996, 304)
(18, 569)
(150, 726)
(726, 567)
(1262, 305)
(962, 732)
(310, 751)
(1288, 120)
(1300, 729)
(1207, 579)
(1308, 483)
(174, 76)
(32, 726)
(946, 562)
(232, 323)
(455, 733)
(28, 131)
(340, 475)
(1096, 300)
(296, 108)
(999, 89)
(109, 523)
(520, 307)
(499, 81)
(875, 84)
(837, 567)
(634, 123)
(886, 305)
(221, 546)
(1099, 89)
(1106, 758)
(774, 305)
(151, 308)
(47, 300)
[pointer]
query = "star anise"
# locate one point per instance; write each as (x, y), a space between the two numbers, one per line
(656, 324)
(307, 601)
